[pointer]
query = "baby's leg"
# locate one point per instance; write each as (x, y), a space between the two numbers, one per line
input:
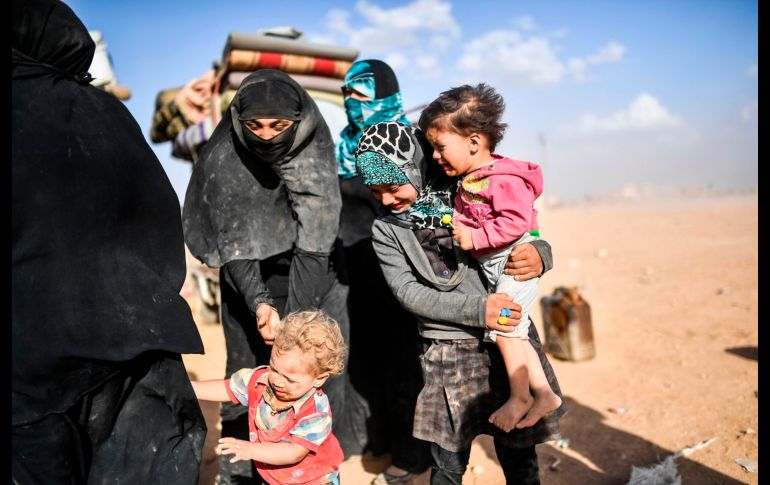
(545, 399)
(514, 355)
(513, 349)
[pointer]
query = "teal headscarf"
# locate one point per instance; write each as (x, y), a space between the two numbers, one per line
(393, 153)
(376, 80)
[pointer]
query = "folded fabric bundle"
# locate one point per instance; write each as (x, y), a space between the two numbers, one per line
(167, 120)
(243, 60)
(272, 43)
(319, 83)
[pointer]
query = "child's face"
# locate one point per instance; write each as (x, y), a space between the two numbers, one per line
(292, 375)
(451, 150)
(397, 197)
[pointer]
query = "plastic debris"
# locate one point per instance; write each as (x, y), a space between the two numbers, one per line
(618, 409)
(750, 466)
(555, 464)
(573, 263)
(749, 431)
(602, 253)
(723, 290)
(562, 443)
(478, 469)
(665, 472)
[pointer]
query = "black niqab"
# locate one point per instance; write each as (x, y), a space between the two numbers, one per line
(47, 41)
(242, 206)
(97, 266)
(270, 98)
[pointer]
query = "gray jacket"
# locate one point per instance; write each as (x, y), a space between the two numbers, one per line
(453, 308)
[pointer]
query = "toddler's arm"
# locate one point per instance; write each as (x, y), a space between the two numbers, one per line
(284, 453)
(214, 390)
(512, 201)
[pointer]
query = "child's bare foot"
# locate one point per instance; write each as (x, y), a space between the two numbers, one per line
(544, 403)
(511, 412)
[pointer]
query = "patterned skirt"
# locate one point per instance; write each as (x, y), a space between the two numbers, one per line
(464, 383)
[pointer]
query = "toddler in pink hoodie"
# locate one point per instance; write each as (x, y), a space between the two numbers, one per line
(494, 211)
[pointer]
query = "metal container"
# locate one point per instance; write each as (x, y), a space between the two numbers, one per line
(567, 323)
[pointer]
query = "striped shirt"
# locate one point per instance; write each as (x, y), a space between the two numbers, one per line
(310, 431)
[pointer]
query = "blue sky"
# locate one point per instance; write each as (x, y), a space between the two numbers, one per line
(662, 93)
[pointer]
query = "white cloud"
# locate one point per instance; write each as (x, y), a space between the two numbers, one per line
(508, 59)
(431, 15)
(612, 52)
(525, 23)
(644, 113)
(407, 36)
(753, 71)
(380, 30)
(337, 21)
(750, 112)
(428, 66)
(578, 69)
(396, 60)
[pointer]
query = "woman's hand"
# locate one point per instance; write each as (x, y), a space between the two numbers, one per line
(495, 303)
(524, 263)
(267, 322)
(239, 448)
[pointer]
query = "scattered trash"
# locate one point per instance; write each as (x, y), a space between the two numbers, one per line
(618, 409)
(478, 469)
(723, 290)
(573, 263)
(664, 472)
(748, 465)
(586, 288)
(749, 431)
(555, 464)
(602, 253)
(562, 443)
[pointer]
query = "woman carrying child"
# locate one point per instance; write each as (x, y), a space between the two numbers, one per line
(464, 375)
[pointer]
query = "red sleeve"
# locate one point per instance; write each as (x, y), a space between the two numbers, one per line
(230, 393)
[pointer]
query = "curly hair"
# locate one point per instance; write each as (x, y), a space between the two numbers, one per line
(467, 109)
(314, 333)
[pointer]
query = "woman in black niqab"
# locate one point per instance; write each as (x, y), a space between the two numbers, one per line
(99, 391)
(265, 210)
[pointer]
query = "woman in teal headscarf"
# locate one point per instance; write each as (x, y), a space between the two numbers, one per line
(371, 96)
(383, 364)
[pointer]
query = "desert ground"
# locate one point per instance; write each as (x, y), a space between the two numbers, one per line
(672, 285)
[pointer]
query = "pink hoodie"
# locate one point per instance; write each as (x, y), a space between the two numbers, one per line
(496, 201)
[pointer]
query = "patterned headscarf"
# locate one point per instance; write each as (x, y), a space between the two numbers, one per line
(376, 80)
(394, 153)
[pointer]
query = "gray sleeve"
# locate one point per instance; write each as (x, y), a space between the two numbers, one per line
(544, 250)
(418, 298)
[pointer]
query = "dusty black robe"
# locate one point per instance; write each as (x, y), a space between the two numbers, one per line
(99, 392)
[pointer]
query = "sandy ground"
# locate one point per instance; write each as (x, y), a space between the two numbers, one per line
(672, 286)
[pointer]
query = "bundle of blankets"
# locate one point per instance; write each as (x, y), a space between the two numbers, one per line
(187, 115)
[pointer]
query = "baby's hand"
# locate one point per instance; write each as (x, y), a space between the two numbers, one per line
(231, 446)
(462, 235)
